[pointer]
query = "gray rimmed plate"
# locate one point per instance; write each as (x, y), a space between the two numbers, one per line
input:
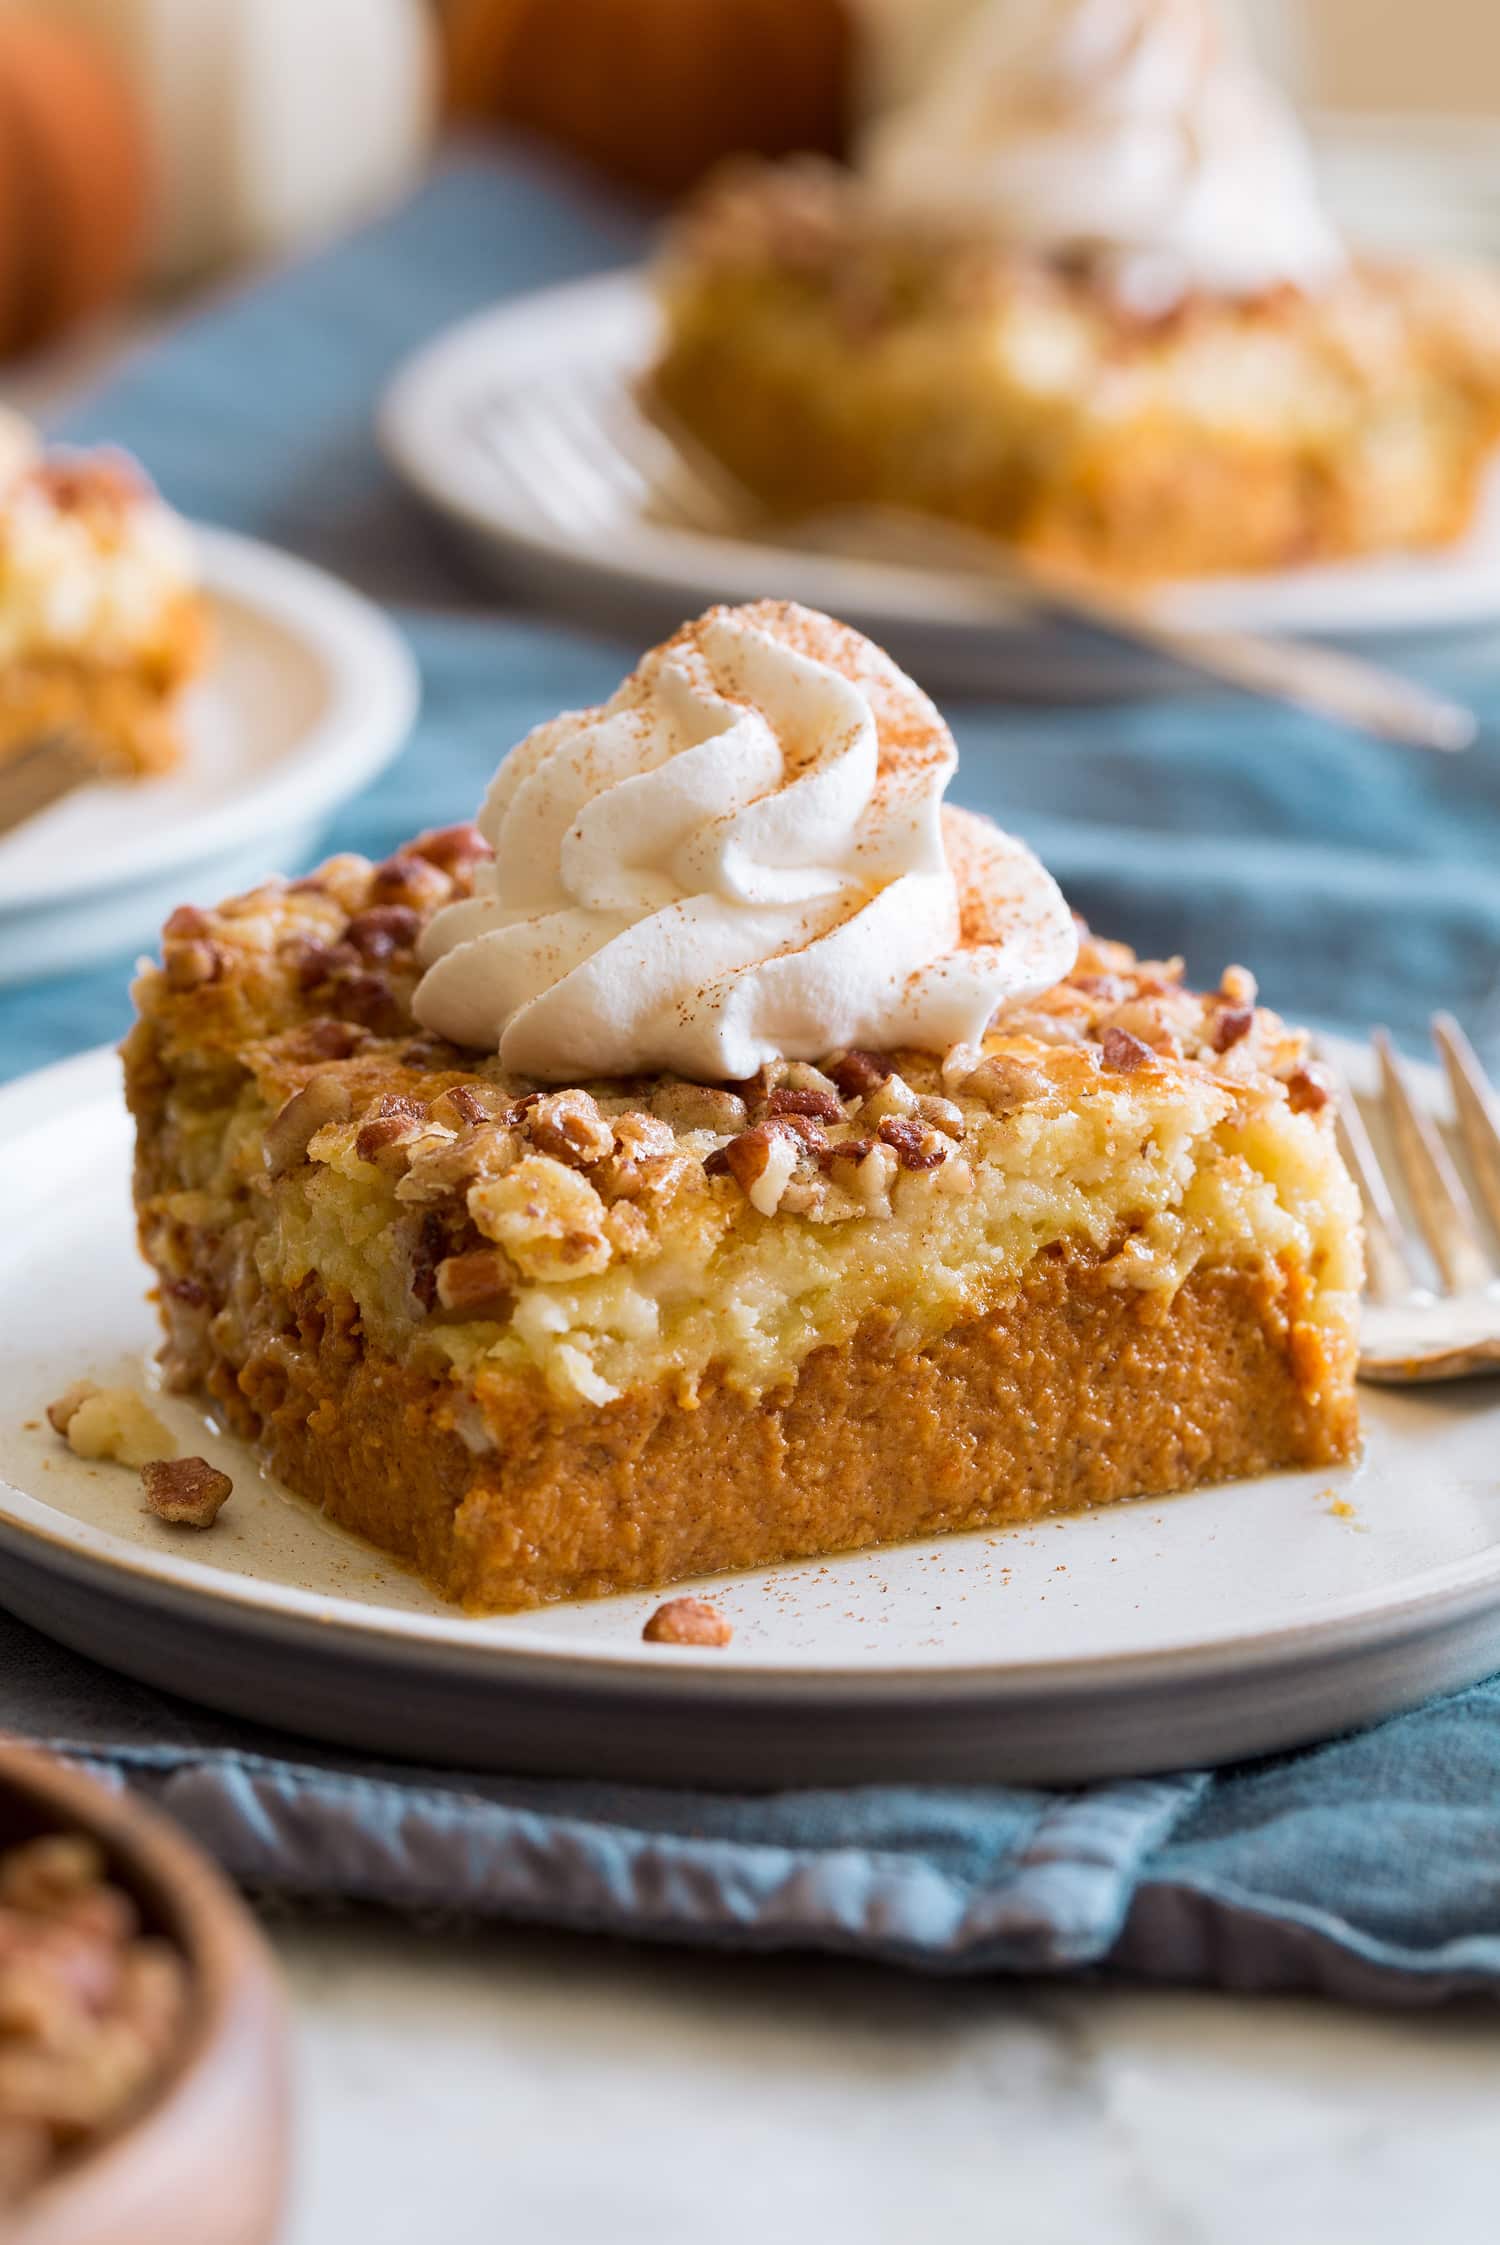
(1148, 1636)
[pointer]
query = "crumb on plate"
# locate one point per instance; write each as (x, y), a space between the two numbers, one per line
(113, 1423)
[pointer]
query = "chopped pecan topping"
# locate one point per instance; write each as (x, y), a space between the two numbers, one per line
(315, 962)
(822, 1106)
(1123, 1052)
(346, 878)
(1156, 978)
(1309, 1088)
(568, 1126)
(369, 999)
(458, 1108)
(945, 1115)
(857, 1073)
(187, 921)
(1156, 1021)
(393, 1123)
(448, 1168)
(847, 1149)
(323, 1099)
(799, 1075)
(1230, 1024)
(547, 1217)
(415, 881)
(256, 903)
(894, 1097)
(454, 850)
(872, 1177)
(186, 1492)
(808, 1129)
(190, 962)
(760, 1160)
(427, 1053)
(384, 929)
(323, 1038)
(1004, 1083)
(639, 1135)
(1238, 987)
(645, 1155)
(687, 1621)
(753, 1089)
(462, 1106)
(915, 1146)
(479, 1284)
(1110, 988)
(699, 1107)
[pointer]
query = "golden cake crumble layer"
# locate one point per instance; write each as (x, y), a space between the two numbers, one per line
(830, 351)
(546, 1341)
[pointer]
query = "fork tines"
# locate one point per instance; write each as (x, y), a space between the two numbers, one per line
(1426, 1174)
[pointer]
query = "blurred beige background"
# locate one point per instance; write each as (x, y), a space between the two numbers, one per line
(1388, 55)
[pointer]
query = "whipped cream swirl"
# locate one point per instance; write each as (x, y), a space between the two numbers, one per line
(742, 855)
(1137, 133)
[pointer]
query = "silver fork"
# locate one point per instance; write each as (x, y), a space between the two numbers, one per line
(586, 455)
(1446, 1326)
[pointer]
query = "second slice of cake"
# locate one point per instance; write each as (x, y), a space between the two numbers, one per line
(103, 621)
(664, 1192)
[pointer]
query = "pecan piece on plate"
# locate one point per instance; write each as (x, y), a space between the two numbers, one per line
(688, 1621)
(185, 1492)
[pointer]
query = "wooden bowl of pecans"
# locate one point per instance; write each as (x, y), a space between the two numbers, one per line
(142, 2043)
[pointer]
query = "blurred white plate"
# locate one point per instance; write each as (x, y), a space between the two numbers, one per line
(309, 694)
(1141, 1637)
(952, 629)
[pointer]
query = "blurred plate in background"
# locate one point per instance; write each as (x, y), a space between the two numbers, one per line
(952, 629)
(309, 694)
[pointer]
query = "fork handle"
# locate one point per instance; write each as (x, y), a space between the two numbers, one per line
(1329, 684)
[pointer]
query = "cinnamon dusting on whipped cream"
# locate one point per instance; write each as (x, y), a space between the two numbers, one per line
(743, 855)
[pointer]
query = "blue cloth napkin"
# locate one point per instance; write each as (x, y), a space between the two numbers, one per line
(1362, 882)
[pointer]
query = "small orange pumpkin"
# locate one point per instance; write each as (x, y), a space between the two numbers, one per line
(655, 91)
(73, 180)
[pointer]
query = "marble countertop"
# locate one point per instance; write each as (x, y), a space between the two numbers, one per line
(456, 2085)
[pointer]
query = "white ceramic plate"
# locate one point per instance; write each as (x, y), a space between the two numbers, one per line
(310, 693)
(952, 629)
(1149, 1636)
